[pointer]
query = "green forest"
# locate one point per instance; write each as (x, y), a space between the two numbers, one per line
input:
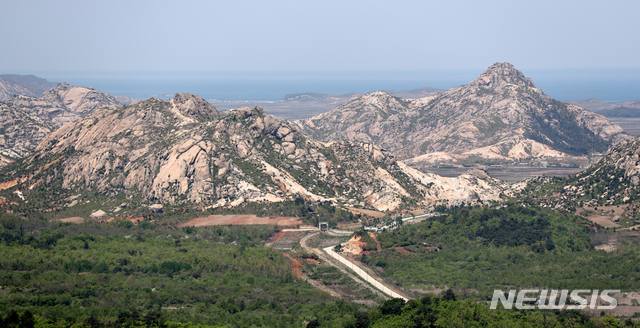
(118, 275)
(448, 311)
(477, 250)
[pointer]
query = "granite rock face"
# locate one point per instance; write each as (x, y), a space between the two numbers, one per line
(64, 103)
(20, 133)
(183, 151)
(611, 183)
(499, 116)
(25, 121)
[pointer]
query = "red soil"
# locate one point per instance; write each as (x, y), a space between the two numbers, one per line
(373, 235)
(240, 220)
(295, 266)
(278, 236)
(403, 251)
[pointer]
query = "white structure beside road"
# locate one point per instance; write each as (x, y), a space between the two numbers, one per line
(380, 286)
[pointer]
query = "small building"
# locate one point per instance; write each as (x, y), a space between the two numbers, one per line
(324, 225)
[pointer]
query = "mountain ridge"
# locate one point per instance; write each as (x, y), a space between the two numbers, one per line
(26, 120)
(608, 189)
(500, 115)
(182, 152)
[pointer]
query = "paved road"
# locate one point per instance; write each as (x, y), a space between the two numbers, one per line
(382, 287)
(329, 260)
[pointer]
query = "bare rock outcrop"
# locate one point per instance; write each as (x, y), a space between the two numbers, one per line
(20, 133)
(613, 181)
(26, 120)
(499, 116)
(182, 151)
(64, 103)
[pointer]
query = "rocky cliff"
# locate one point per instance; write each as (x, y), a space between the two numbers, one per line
(64, 103)
(499, 116)
(20, 133)
(183, 152)
(25, 121)
(612, 183)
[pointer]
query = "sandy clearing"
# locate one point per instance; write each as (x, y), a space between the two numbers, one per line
(371, 213)
(603, 221)
(240, 219)
(75, 219)
(277, 237)
(373, 236)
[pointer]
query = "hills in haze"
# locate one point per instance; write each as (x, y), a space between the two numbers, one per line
(28, 85)
(338, 99)
(629, 108)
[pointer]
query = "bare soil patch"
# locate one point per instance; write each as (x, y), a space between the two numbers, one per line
(287, 241)
(278, 236)
(373, 235)
(241, 219)
(371, 213)
(135, 220)
(403, 251)
(606, 247)
(636, 227)
(349, 226)
(75, 219)
(604, 221)
(295, 266)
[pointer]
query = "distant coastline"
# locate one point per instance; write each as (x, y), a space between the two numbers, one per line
(611, 85)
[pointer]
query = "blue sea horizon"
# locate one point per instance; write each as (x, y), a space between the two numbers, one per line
(611, 85)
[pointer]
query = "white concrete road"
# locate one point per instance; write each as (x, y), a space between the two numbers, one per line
(331, 261)
(377, 284)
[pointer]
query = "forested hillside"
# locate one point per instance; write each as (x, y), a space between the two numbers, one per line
(478, 250)
(117, 274)
(448, 311)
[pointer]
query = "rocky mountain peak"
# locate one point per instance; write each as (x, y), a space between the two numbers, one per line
(499, 73)
(376, 94)
(381, 99)
(194, 107)
(27, 120)
(500, 116)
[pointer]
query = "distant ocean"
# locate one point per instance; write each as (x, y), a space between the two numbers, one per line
(610, 85)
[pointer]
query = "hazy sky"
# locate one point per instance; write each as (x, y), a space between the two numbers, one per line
(316, 35)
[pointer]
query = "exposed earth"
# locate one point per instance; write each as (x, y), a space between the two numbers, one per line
(240, 219)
